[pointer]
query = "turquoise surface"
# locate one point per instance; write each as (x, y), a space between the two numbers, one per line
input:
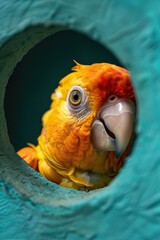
(30, 206)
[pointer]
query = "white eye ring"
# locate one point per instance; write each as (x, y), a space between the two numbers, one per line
(79, 105)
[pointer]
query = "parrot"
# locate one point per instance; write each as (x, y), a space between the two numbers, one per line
(88, 131)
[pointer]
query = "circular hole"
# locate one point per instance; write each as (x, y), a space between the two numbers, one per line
(37, 75)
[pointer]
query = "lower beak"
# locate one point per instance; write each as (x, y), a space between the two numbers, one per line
(113, 128)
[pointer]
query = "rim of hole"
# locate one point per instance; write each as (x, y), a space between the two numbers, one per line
(32, 182)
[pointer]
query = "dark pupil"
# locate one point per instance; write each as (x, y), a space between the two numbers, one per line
(112, 98)
(75, 96)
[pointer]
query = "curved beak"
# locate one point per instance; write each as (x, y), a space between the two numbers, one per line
(113, 127)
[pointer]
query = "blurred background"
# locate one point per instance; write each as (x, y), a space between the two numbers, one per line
(37, 75)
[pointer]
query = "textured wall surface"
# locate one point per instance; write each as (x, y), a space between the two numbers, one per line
(30, 206)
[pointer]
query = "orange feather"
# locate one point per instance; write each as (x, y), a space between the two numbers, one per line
(64, 152)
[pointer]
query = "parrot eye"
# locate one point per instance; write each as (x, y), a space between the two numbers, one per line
(112, 98)
(75, 97)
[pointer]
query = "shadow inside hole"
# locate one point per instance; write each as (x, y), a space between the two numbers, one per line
(37, 75)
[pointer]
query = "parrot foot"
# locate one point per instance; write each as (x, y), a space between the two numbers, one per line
(69, 184)
(85, 189)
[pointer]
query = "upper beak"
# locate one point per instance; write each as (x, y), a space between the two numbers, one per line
(113, 127)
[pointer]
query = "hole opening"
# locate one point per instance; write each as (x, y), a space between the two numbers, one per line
(16, 122)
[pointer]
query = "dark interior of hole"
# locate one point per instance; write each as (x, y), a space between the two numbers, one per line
(37, 75)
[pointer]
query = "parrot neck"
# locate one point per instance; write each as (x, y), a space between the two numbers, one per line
(80, 175)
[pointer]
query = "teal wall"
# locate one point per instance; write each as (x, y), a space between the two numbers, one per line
(30, 206)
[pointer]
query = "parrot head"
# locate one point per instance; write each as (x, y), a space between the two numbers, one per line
(89, 128)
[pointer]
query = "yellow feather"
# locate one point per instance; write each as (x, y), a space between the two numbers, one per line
(65, 153)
